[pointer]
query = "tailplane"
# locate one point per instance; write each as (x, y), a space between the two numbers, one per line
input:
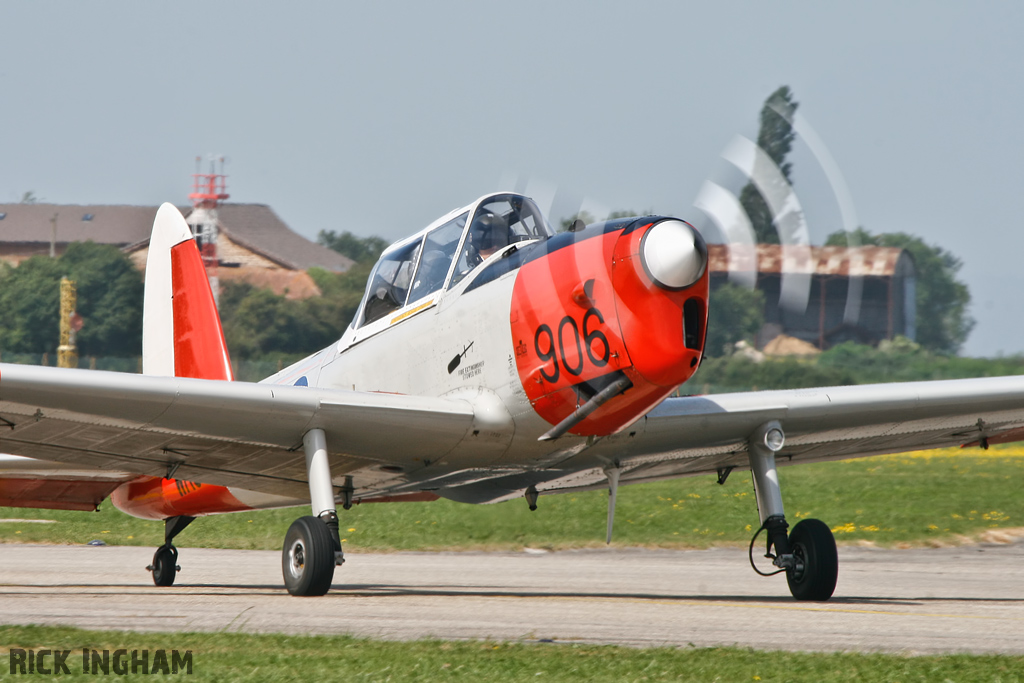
(181, 331)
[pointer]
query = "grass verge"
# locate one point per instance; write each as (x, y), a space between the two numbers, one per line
(244, 657)
(941, 497)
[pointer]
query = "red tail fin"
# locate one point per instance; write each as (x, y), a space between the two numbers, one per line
(181, 332)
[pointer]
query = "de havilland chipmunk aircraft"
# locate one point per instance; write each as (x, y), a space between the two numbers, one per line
(489, 359)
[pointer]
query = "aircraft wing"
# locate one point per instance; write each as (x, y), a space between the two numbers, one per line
(250, 435)
(226, 433)
(701, 434)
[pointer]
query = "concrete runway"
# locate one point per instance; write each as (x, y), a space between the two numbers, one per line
(968, 599)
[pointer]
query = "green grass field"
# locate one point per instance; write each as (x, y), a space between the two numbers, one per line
(242, 657)
(926, 498)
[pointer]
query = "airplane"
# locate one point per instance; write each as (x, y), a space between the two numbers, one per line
(490, 359)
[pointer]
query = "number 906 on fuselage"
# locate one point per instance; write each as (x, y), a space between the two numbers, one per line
(489, 304)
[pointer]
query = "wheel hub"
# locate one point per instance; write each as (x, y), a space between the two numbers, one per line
(297, 559)
(799, 563)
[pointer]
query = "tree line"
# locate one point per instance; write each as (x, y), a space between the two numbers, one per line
(259, 324)
(109, 300)
(898, 360)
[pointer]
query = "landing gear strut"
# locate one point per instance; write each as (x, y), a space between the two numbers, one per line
(165, 560)
(312, 546)
(808, 554)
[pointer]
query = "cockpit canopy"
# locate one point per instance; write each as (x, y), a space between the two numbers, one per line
(445, 253)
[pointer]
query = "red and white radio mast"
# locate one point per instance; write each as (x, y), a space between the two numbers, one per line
(208, 190)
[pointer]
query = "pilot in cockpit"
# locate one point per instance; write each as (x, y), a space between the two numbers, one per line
(487, 234)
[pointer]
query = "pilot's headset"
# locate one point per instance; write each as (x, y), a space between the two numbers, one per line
(488, 232)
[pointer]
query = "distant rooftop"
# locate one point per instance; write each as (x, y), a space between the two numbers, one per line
(115, 224)
(254, 226)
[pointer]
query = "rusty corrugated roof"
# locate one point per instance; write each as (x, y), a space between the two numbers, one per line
(776, 258)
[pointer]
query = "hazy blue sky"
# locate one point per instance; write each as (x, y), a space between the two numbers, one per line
(377, 118)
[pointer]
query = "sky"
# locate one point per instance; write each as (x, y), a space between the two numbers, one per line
(379, 117)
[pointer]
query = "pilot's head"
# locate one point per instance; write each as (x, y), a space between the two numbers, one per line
(488, 234)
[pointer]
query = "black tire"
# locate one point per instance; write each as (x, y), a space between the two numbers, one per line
(814, 546)
(307, 559)
(165, 565)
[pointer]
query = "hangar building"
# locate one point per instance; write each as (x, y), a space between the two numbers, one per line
(823, 307)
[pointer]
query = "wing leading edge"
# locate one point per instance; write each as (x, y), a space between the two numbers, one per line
(250, 435)
(228, 433)
(702, 434)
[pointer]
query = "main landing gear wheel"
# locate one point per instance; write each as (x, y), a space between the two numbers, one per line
(307, 559)
(817, 563)
(165, 565)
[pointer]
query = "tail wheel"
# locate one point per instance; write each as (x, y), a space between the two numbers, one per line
(165, 565)
(817, 563)
(307, 559)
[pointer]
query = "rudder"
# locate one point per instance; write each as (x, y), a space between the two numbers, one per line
(181, 330)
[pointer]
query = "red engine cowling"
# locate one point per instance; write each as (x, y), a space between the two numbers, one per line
(628, 299)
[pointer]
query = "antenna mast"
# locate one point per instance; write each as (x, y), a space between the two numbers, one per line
(208, 190)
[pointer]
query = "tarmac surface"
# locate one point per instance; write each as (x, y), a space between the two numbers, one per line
(965, 599)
